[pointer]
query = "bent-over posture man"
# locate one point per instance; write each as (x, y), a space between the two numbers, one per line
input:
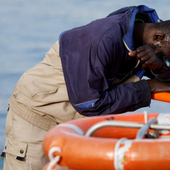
(86, 73)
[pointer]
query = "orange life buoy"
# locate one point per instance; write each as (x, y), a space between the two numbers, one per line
(113, 142)
(163, 96)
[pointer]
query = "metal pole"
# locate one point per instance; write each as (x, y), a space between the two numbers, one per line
(124, 124)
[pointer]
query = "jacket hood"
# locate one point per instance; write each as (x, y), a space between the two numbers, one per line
(133, 10)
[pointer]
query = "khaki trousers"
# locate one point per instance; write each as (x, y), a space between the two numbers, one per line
(23, 145)
(38, 103)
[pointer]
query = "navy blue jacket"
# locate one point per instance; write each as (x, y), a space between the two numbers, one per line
(95, 56)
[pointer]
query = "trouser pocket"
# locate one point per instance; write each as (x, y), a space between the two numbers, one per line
(15, 155)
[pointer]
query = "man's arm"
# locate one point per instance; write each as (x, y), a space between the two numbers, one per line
(111, 99)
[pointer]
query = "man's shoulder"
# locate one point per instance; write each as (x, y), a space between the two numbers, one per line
(122, 10)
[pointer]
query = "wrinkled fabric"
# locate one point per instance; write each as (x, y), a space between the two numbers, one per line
(40, 93)
(42, 89)
(23, 147)
(95, 55)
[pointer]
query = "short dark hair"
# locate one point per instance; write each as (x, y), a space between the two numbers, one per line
(162, 26)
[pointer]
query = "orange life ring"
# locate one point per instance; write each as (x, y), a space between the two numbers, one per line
(110, 147)
(163, 96)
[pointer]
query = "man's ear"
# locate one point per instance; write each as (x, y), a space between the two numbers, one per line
(158, 36)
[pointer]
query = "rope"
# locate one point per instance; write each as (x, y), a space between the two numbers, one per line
(116, 154)
(53, 160)
(145, 116)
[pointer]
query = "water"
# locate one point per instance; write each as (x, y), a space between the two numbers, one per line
(28, 29)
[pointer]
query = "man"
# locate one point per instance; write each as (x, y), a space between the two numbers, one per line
(95, 67)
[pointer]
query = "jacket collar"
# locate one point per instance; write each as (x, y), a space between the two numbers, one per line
(128, 37)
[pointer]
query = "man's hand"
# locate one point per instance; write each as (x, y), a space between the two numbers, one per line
(158, 86)
(147, 57)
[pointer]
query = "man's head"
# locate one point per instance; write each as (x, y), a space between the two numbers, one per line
(158, 36)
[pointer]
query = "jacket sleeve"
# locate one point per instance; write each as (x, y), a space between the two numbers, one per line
(119, 99)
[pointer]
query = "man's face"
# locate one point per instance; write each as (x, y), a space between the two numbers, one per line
(162, 48)
(165, 46)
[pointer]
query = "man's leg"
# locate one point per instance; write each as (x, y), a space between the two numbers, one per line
(23, 148)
